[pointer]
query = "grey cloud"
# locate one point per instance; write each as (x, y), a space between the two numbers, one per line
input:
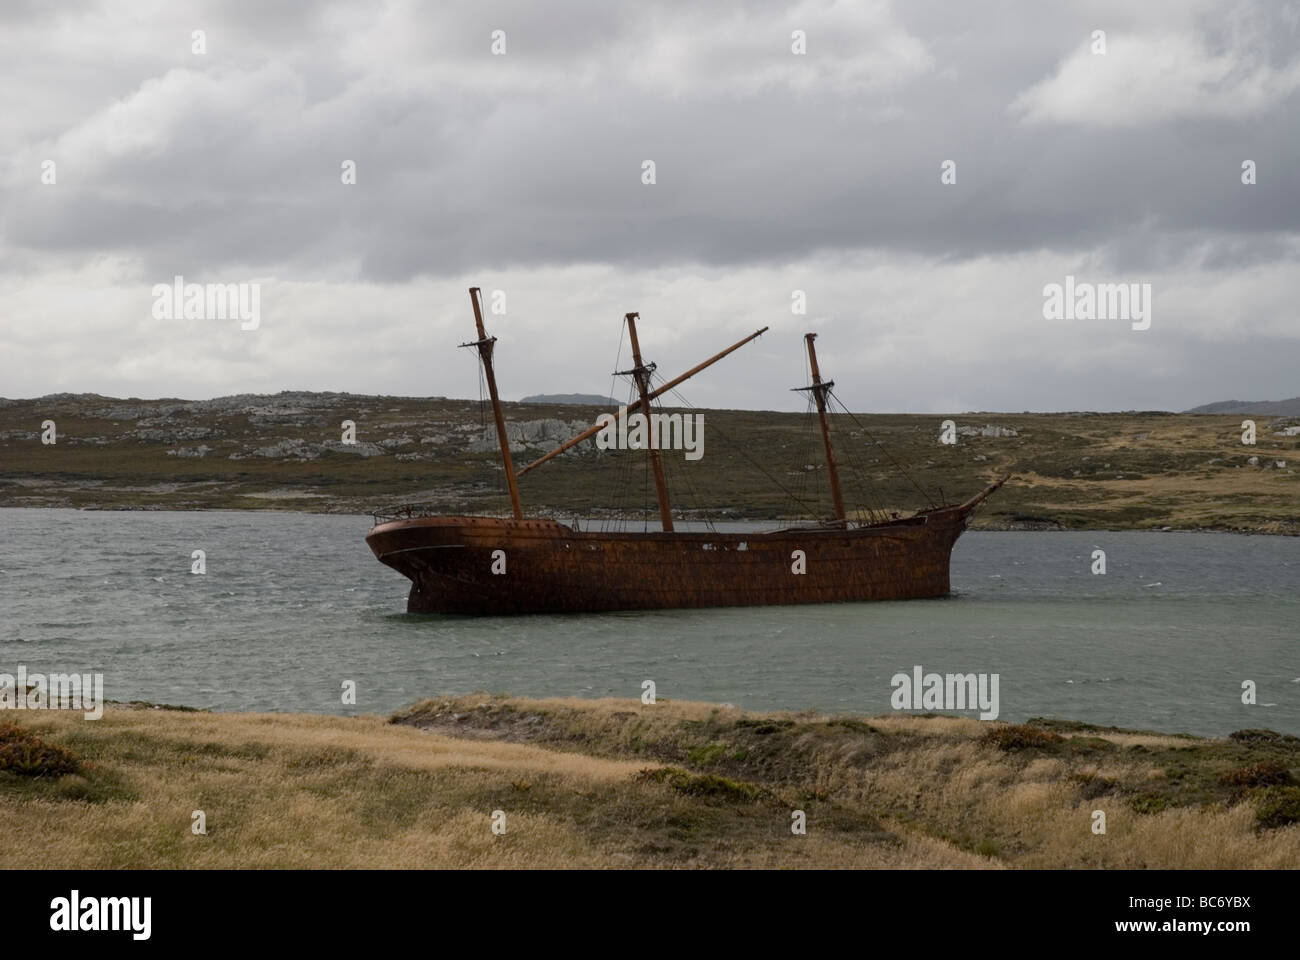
(226, 167)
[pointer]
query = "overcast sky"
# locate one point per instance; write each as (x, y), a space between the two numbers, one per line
(774, 171)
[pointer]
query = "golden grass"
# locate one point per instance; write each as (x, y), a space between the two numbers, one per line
(894, 792)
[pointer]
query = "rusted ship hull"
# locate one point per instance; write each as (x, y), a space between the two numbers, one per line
(551, 568)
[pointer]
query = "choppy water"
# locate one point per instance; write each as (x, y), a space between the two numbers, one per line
(292, 605)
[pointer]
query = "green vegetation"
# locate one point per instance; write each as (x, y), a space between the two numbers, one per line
(1022, 737)
(705, 785)
(25, 754)
(1278, 807)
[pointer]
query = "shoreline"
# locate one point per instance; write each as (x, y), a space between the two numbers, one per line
(992, 526)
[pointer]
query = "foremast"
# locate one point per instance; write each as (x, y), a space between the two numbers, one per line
(640, 372)
(819, 390)
(484, 343)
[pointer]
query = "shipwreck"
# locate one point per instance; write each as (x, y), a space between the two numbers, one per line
(521, 565)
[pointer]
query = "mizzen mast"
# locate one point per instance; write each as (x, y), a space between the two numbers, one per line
(484, 343)
(819, 390)
(641, 373)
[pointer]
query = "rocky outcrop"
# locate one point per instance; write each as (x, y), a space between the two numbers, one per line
(987, 431)
(280, 409)
(174, 435)
(298, 449)
(526, 434)
(288, 418)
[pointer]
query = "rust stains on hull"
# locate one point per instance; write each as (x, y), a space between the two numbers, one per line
(552, 568)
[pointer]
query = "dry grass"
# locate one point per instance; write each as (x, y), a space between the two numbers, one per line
(615, 783)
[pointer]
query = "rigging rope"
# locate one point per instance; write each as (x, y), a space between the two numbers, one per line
(885, 450)
(620, 512)
(754, 463)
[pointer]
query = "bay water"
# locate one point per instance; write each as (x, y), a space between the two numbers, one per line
(294, 605)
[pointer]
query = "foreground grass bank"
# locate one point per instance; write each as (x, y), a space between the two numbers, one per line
(616, 783)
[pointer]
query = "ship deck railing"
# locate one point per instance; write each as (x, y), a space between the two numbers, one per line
(408, 511)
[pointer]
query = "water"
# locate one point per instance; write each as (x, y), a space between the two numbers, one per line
(292, 605)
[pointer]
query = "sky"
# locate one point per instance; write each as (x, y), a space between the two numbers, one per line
(505, 145)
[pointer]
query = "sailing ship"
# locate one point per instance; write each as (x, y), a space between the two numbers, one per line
(521, 565)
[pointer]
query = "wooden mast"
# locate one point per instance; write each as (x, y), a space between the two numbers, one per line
(819, 390)
(485, 345)
(634, 407)
(641, 373)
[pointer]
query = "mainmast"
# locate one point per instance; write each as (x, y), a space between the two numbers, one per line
(484, 343)
(641, 373)
(641, 405)
(819, 391)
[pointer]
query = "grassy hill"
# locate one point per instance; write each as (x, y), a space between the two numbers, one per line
(1075, 470)
(1271, 408)
(582, 399)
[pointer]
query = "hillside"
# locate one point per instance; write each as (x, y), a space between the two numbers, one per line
(582, 399)
(1072, 470)
(1263, 408)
